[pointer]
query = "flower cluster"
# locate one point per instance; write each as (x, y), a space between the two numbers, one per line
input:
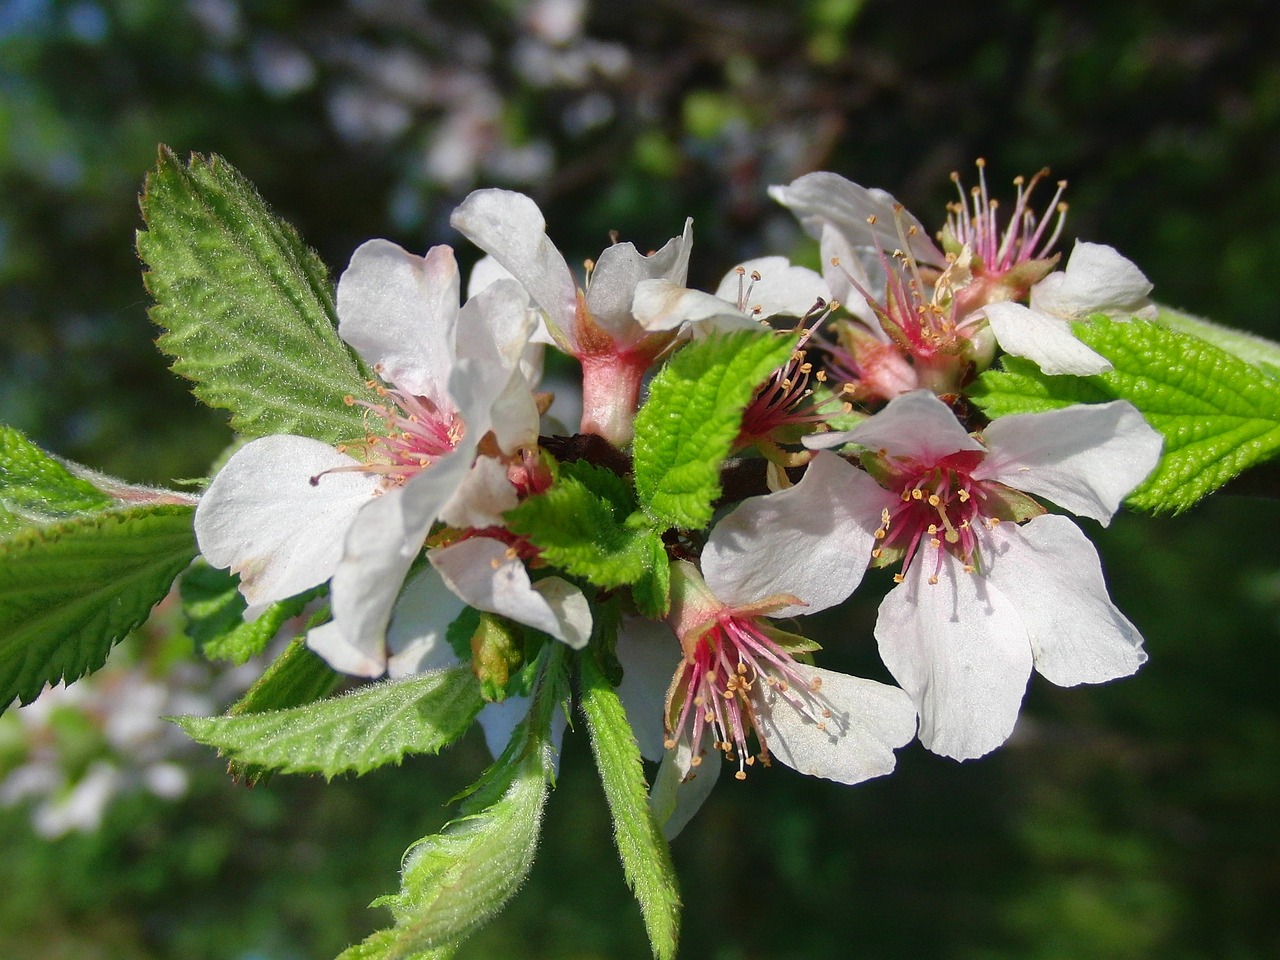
(857, 448)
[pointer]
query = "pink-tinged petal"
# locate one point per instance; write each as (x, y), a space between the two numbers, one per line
(484, 495)
(812, 541)
(782, 288)
(399, 312)
(263, 517)
(818, 199)
(617, 272)
(1085, 458)
(649, 653)
(662, 305)
(959, 648)
(1045, 340)
(385, 538)
(1051, 573)
(868, 722)
(330, 643)
(1097, 279)
(416, 635)
(916, 425)
(480, 571)
(679, 788)
(510, 227)
(499, 720)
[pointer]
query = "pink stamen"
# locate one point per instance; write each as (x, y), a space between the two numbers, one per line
(718, 689)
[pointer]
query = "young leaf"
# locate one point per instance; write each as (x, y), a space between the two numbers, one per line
(214, 611)
(36, 489)
(70, 590)
(1219, 414)
(375, 725)
(652, 592)
(455, 880)
(580, 525)
(246, 307)
(646, 858)
(693, 414)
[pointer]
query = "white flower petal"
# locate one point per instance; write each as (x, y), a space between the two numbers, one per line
(1050, 572)
(1085, 458)
(868, 722)
(1097, 279)
(480, 572)
(484, 495)
(330, 643)
(782, 288)
(1045, 340)
(649, 653)
(486, 271)
(661, 305)
(384, 539)
(486, 383)
(845, 269)
(916, 425)
(680, 789)
(620, 268)
(824, 198)
(416, 634)
(571, 609)
(812, 541)
(510, 227)
(399, 311)
(960, 649)
(263, 518)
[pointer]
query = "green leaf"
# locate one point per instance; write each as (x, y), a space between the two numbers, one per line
(214, 610)
(455, 880)
(71, 590)
(35, 488)
(652, 592)
(646, 858)
(245, 306)
(581, 526)
(1218, 414)
(380, 946)
(375, 725)
(688, 425)
(297, 676)
(1249, 347)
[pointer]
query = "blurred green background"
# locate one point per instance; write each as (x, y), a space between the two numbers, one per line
(1136, 820)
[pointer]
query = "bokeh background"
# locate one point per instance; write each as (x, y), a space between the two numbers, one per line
(1136, 820)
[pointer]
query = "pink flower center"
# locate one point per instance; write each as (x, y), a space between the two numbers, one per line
(414, 434)
(718, 687)
(940, 508)
(787, 397)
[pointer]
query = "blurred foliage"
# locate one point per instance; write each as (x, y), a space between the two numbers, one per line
(1136, 820)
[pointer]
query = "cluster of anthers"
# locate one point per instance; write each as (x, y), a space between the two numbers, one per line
(974, 222)
(415, 433)
(720, 685)
(787, 398)
(939, 507)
